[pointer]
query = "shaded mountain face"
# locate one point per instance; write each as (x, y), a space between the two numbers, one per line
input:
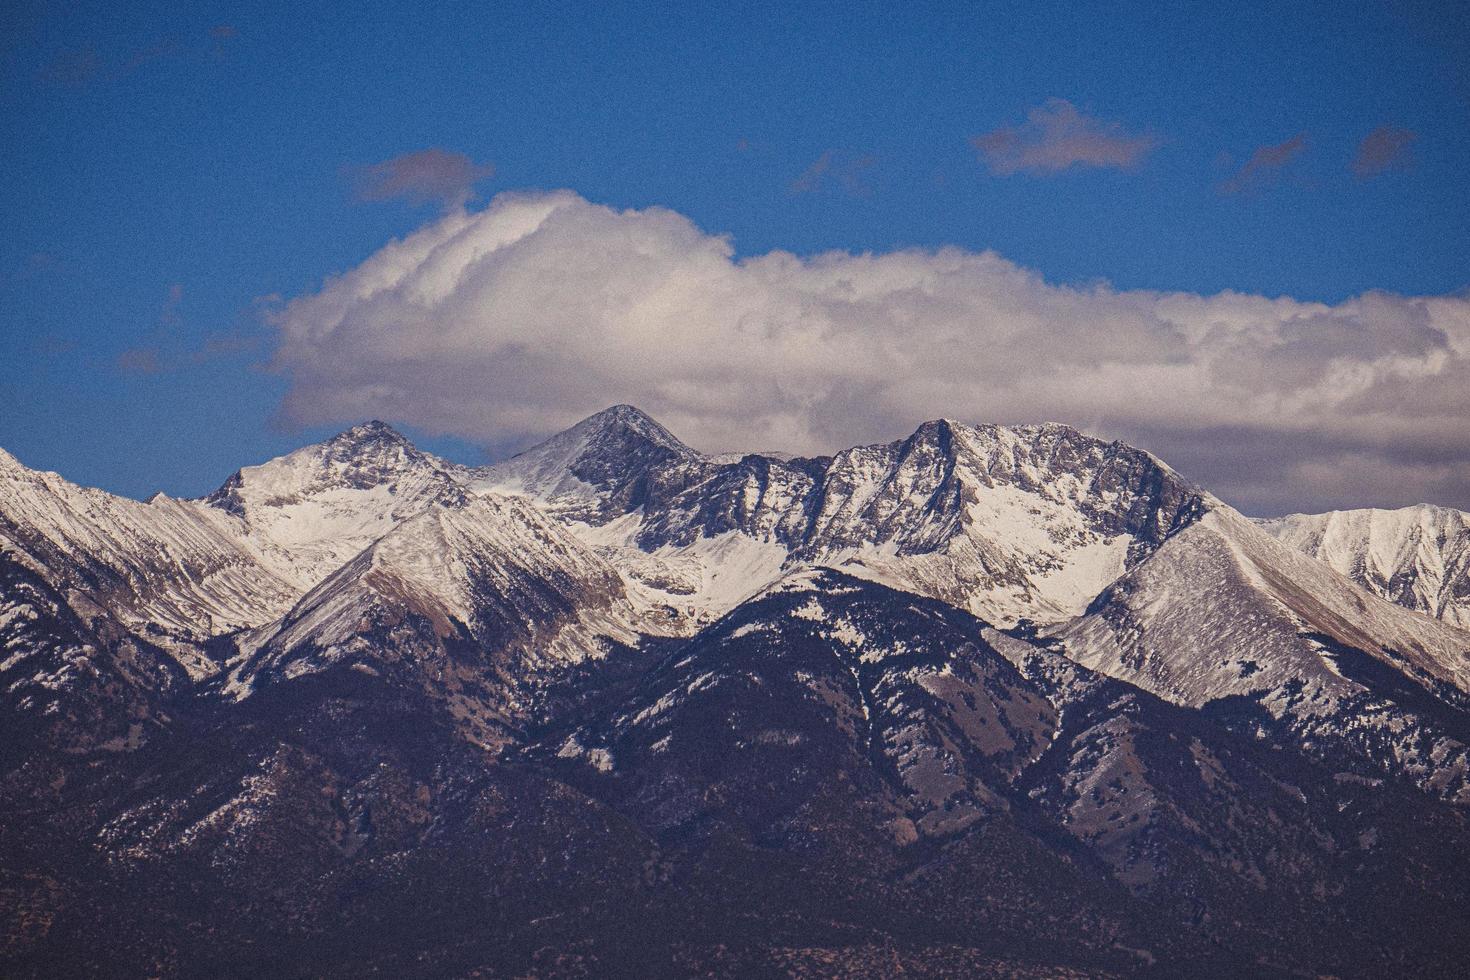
(986, 700)
(604, 466)
(68, 684)
(1418, 557)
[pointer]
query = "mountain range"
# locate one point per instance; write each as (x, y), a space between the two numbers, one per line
(985, 700)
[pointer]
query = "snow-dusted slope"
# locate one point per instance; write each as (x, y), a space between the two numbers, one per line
(1010, 523)
(967, 726)
(595, 469)
(1418, 557)
(365, 551)
(163, 567)
(308, 512)
(477, 603)
(1024, 522)
(1224, 611)
(72, 684)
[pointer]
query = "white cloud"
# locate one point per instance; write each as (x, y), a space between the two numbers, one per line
(509, 323)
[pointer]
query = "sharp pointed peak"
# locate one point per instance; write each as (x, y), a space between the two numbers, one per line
(369, 452)
(940, 425)
(622, 411)
(628, 418)
(630, 415)
(373, 430)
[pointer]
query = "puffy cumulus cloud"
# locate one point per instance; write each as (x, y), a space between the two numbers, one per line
(1056, 137)
(507, 324)
(422, 177)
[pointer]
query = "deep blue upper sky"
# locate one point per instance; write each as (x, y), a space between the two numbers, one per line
(167, 167)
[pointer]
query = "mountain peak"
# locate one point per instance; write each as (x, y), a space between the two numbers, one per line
(372, 431)
(365, 455)
(626, 419)
(622, 411)
(615, 451)
(615, 437)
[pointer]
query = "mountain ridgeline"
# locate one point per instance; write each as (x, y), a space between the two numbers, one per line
(987, 700)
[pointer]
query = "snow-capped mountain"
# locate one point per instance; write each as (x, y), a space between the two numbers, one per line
(1418, 557)
(1140, 575)
(308, 512)
(1010, 523)
(900, 707)
(165, 568)
(479, 603)
(1223, 616)
(851, 727)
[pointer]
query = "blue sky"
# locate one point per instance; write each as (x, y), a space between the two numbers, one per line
(173, 172)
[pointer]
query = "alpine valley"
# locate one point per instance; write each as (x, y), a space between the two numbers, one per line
(985, 701)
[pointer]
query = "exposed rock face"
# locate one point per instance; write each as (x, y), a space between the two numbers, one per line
(164, 567)
(983, 701)
(308, 512)
(69, 684)
(1010, 523)
(1225, 618)
(1418, 557)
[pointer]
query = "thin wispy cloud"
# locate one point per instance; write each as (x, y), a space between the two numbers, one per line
(173, 344)
(34, 266)
(165, 47)
(1056, 136)
(811, 178)
(52, 346)
(225, 344)
(74, 68)
(425, 176)
(82, 66)
(168, 316)
(140, 361)
(1265, 166)
(1385, 149)
(467, 327)
(834, 169)
(222, 36)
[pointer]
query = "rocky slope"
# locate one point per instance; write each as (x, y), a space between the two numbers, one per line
(1227, 619)
(481, 604)
(163, 568)
(982, 701)
(1010, 523)
(859, 727)
(1418, 557)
